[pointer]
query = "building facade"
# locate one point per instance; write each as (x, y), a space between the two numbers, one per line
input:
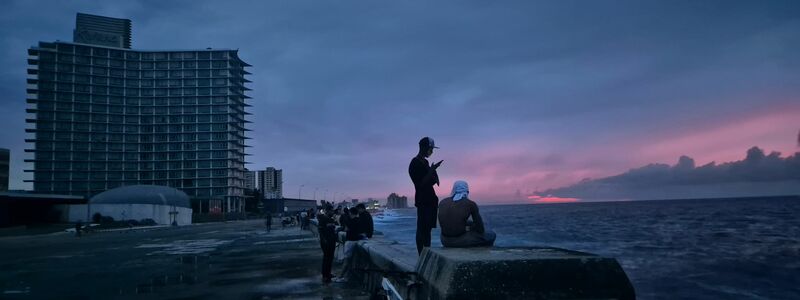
(104, 117)
(270, 182)
(249, 180)
(396, 201)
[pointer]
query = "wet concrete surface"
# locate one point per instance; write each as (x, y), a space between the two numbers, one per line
(232, 260)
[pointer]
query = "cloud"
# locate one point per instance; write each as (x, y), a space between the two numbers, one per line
(521, 94)
(758, 174)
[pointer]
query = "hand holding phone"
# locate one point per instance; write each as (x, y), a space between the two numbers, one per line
(436, 165)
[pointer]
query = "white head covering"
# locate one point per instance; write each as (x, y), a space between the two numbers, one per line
(460, 190)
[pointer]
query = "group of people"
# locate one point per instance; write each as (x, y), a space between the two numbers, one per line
(302, 217)
(342, 226)
(458, 215)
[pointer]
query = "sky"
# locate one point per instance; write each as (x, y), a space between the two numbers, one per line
(521, 96)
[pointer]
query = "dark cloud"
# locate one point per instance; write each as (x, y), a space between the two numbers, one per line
(757, 174)
(343, 90)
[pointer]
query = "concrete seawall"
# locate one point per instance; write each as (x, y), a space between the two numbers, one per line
(487, 273)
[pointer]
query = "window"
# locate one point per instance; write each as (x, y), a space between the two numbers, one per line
(100, 90)
(115, 54)
(219, 55)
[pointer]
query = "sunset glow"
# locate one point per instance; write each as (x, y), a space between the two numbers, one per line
(550, 199)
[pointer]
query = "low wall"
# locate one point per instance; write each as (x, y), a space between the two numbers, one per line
(489, 273)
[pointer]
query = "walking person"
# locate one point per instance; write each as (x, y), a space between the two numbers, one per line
(268, 221)
(424, 176)
(78, 227)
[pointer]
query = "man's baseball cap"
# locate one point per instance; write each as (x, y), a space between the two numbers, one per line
(427, 142)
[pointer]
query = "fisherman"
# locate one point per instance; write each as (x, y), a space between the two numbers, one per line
(327, 240)
(457, 230)
(424, 176)
(354, 233)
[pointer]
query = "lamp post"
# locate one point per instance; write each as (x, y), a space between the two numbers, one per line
(315, 193)
(299, 191)
(325, 195)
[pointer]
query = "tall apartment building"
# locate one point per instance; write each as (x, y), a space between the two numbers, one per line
(270, 182)
(106, 116)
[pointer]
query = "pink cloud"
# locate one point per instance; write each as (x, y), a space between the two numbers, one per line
(728, 139)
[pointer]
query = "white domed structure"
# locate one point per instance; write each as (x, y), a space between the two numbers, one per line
(162, 204)
(143, 194)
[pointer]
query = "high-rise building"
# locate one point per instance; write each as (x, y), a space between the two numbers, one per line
(270, 182)
(5, 159)
(105, 116)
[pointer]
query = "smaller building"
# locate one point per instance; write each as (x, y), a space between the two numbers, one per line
(270, 182)
(396, 201)
(23, 208)
(249, 180)
(288, 205)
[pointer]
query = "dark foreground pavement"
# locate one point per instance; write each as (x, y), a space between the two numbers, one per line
(233, 260)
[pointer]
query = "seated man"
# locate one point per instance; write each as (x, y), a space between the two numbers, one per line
(365, 221)
(454, 212)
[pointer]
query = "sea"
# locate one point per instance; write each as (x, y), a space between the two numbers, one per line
(671, 249)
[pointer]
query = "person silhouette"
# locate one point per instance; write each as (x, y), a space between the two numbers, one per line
(424, 176)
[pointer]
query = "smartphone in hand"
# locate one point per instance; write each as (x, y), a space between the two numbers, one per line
(436, 165)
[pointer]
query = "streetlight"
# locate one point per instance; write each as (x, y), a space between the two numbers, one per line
(315, 193)
(325, 196)
(299, 190)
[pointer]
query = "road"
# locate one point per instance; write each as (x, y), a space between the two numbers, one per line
(231, 260)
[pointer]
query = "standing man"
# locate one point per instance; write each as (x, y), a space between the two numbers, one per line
(327, 241)
(424, 176)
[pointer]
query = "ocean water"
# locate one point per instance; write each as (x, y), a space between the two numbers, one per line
(675, 249)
